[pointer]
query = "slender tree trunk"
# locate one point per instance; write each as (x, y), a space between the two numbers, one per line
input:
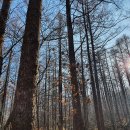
(37, 107)
(77, 116)
(45, 96)
(83, 90)
(48, 96)
(95, 98)
(23, 117)
(55, 94)
(107, 92)
(123, 91)
(3, 19)
(113, 88)
(95, 73)
(124, 64)
(60, 76)
(65, 109)
(60, 89)
(4, 96)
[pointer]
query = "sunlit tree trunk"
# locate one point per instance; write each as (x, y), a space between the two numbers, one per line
(123, 91)
(124, 63)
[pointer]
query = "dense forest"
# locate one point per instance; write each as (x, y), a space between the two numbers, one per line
(64, 65)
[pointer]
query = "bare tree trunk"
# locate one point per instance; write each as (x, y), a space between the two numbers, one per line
(60, 89)
(60, 75)
(95, 73)
(37, 107)
(94, 91)
(23, 117)
(48, 96)
(3, 19)
(77, 116)
(114, 93)
(123, 91)
(83, 89)
(125, 66)
(4, 96)
(107, 92)
(45, 91)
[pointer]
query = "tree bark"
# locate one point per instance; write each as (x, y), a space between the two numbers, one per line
(60, 87)
(77, 116)
(24, 103)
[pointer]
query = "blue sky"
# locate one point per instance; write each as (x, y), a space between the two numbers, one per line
(126, 23)
(127, 4)
(125, 7)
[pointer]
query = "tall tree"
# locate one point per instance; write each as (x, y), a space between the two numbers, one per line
(22, 117)
(5, 90)
(93, 81)
(77, 116)
(3, 19)
(60, 74)
(95, 69)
